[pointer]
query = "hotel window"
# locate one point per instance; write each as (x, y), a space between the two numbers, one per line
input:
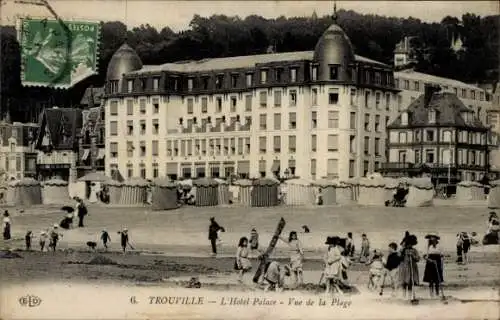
(314, 143)
(333, 96)
(142, 106)
(333, 119)
(332, 168)
(367, 99)
(156, 83)
(219, 81)
(432, 116)
(429, 156)
(113, 149)
(292, 144)
(249, 79)
(130, 107)
(314, 97)
(232, 143)
(416, 135)
(377, 100)
(263, 76)
(464, 93)
(404, 119)
(416, 85)
(155, 126)
(402, 156)
(176, 148)
(190, 105)
(473, 95)
(130, 170)
(204, 105)
(130, 127)
(313, 168)
(407, 84)
(169, 148)
(156, 106)
(352, 120)
(154, 147)
(240, 145)
(314, 73)
(234, 80)
(277, 121)
(402, 137)
(113, 128)
(263, 121)
(377, 123)
(204, 83)
(226, 146)
(278, 74)
(366, 145)
(113, 108)
(190, 147)
(234, 103)
(387, 101)
(262, 145)
(400, 103)
(378, 78)
(218, 105)
(293, 98)
(113, 86)
(429, 136)
(417, 156)
(314, 119)
(277, 144)
(143, 126)
(248, 103)
(334, 72)
(142, 169)
(277, 98)
(263, 99)
(352, 144)
(367, 122)
(155, 170)
(353, 97)
(333, 142)
(481, 96)
(190, 84)
(396, 83)
(247, 145)
(293, 75)
(352, 168)
(142, 147)
(377, 146)
(292, 121)
(130, 86)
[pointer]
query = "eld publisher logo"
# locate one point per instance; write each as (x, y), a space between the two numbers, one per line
(30, 301)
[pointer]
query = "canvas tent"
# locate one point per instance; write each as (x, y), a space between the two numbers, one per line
(494, 195)
(372, 191)
(164, 195)
(206, 192)
(328, 190)
(134, 191)
(223, 193)
(244, 193)
(469, 191)
(299, 192)
(264, 193)
(25, 192)
(114, 191)
(421, 192)
(55, 191)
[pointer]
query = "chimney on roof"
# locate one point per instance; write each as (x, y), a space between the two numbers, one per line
(429, 91)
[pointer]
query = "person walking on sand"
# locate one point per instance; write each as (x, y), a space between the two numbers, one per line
(43, 239)
(408, 269)
(54, 237)
(254, 240)
(81, 211)
(296, 257)
(242, 263)
(213, 230)
(124, 239)
(349, 245)
(27, 240)
(365, 248)
(391, 265)
(376, 270)
(105, 238)
(333, 264)
(433, 272)
(6, 225)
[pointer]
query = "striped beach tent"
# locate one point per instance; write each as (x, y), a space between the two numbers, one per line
(25, 192)
(264, 193)
(328, 190)
(206, 192)
(223, 193)
(55, 191)
(469, 191)
(164, 194)
(494, 195)
(114, 191)
(353, 183)
(134, 191)
(300, 192)
(245, 187)
(372, 191)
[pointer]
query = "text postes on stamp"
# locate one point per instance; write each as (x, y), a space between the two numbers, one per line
(57, 53)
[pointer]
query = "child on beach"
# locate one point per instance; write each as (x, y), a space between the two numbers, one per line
(376, 270)
(296, 256)
(274, 275)
(365, 248)
(54, 237)
(391, 267)
(242, 263)
(333, 263)
(254, 240)
(105, 238)
(43, 239)
(27, 240)
(124, 239)
(349, 245)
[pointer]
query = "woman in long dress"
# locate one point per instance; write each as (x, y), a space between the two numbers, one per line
(408, 269)
(433, 273)
(6, 226)
(296, 256)
(333, 263)
(242, 263)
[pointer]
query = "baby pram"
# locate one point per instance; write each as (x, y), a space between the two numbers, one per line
(398, 200)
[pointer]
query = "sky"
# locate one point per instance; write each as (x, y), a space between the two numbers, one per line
(178, 14)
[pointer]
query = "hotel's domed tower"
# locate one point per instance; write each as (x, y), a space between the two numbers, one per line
(333, 54)
(124, 60)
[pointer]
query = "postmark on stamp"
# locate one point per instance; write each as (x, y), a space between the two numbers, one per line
(57, 53)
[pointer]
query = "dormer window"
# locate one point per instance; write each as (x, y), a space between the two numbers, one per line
(190, 84)
(404, 118)
(113, 86)
(314, 73)
(234, 80)
(156, 84)
(263, 76)
(334, 72)
(143, 84)
(130, 86)
(432, 116)
(249, 79)
(204, 81)
(219, 81)
(293, 75)
(465, 116)
(278, 74)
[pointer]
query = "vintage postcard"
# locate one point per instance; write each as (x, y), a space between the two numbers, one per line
(249, 159)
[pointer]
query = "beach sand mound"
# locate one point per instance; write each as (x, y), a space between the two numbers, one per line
(101, 260)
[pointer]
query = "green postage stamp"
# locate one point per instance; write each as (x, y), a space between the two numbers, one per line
(57, 53)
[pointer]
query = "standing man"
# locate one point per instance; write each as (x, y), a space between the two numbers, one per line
(212, 234)
(81, 211)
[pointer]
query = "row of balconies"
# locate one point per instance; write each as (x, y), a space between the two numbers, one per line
(418, 166)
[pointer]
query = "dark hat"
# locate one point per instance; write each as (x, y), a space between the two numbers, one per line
(212, 218)
(432, 235)
(411, 240)
(330, 240)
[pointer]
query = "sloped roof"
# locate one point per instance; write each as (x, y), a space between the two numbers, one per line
(91, 120)
(239, 62)
(61, 122)
(92, 96)
(448, 109)
(410, 74)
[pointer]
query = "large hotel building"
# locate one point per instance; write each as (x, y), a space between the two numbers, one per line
(312, 114)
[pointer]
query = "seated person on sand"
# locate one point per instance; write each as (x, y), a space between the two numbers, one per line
(274, 276)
